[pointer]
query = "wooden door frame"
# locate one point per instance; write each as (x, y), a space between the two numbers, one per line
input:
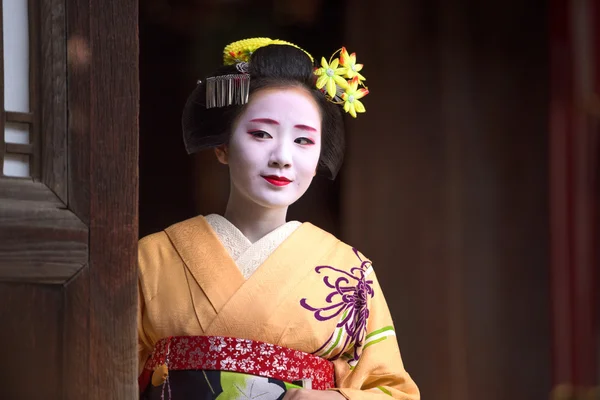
(69, 295)
(105, 87)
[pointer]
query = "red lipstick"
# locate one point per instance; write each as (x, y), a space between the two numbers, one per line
(277, 180)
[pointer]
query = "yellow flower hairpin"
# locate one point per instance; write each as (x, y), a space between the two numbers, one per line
(341, 81)
(351, 97)
(330, 75)
(352, 68)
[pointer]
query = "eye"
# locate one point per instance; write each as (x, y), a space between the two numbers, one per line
(304, 141)
(260, 134)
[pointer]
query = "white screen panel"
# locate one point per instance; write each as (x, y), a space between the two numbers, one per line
(16, 133)
(16, 165)
(15, 34)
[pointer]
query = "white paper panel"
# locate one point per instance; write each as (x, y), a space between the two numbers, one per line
(16, 165)
(15, 33)
(16, 133)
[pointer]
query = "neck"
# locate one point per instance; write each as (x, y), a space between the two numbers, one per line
(253, 220)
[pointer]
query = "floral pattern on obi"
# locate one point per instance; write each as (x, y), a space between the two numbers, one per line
(243, 356)
(348, 301)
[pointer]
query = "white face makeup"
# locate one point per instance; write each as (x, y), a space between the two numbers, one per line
(274, 148)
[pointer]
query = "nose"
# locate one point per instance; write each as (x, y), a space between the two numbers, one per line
(281, 156)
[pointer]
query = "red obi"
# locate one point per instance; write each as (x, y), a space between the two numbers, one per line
(239, 355)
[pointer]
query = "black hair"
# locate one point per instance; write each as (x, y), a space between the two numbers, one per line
(272, 66)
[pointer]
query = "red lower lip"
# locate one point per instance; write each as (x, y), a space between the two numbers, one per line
(275, 181)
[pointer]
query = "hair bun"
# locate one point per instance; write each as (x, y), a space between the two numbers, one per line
(291, 64)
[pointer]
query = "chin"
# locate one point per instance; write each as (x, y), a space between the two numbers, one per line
(275, 201)
(275, 204)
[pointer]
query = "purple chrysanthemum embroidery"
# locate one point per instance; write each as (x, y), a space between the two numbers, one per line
(348, 299)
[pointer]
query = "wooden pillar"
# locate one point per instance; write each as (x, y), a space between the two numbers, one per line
(574, 177)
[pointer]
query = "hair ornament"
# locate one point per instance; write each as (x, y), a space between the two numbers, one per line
(341, 81)
(243, 67)
(242, 50)
(226, 90)
(339, 78)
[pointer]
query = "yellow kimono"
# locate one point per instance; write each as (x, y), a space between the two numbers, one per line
(312, 293)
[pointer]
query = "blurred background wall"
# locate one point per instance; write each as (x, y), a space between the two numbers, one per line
(447, 186)
(446, 179)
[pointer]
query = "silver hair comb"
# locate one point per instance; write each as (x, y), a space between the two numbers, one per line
(226, 90)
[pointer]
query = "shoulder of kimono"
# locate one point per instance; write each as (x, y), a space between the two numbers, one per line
(327, 236)
(351, 256)
(153, 249)
(160, 240)
(153, 239)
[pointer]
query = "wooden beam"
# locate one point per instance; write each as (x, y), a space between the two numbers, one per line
(19, 117)
(53, 98)
(2, 116)
(40, 239)
(19, 148)
(28, 191)
(77, 375)
(33, 7)
(79, 96)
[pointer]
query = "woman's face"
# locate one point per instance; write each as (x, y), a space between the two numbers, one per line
(274, 147)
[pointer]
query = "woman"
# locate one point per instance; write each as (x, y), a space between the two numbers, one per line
(248, 305)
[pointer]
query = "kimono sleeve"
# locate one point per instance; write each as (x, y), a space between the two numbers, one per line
(143, 346)
(147, 287)
(379, 372)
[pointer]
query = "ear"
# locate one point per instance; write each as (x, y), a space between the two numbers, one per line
(222, 154)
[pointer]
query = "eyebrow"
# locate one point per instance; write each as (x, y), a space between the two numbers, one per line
(305, 128)
(273, 122)
(265, 121)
